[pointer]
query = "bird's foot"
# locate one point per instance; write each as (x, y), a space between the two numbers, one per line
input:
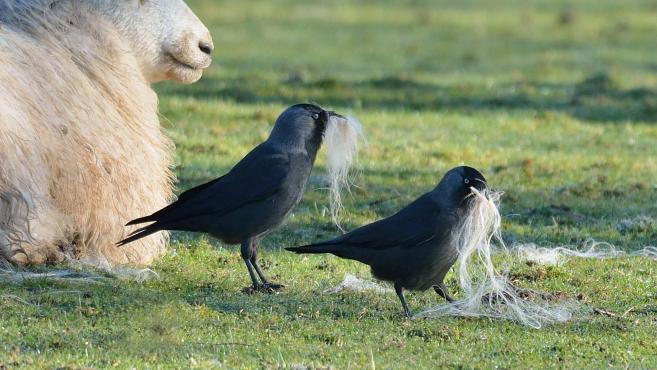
(251, 289)
(263, 288)
(271, 287)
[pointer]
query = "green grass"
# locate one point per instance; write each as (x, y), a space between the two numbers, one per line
(556, 103)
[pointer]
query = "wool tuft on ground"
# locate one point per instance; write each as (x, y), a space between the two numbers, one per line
(352, 283)
(551, 256)
(76, 273)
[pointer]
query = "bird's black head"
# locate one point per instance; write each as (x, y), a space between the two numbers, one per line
(455, 186)
(301, 127)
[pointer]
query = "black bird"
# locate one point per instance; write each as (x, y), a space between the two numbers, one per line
(413, 248)
(256, 195)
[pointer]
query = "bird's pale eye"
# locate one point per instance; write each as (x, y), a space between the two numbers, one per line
(315, 115)
(467, 181)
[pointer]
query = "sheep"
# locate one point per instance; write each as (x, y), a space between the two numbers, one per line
(81, 147)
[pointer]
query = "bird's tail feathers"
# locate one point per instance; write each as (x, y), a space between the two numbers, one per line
(138, 234)
(363, 255)
(141, 220)
(313, 248)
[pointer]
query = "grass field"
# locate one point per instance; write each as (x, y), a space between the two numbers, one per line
(554, 101)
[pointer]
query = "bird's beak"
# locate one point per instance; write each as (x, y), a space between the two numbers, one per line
(480, 185)
(335, 114)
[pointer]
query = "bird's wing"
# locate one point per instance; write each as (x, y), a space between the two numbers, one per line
(412, 226)
(258, 176)
(189, 193)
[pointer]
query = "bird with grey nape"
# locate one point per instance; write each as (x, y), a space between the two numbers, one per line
(256, 195)
(415, 247)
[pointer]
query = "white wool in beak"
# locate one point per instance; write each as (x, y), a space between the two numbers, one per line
(486, 292)
(341, 140)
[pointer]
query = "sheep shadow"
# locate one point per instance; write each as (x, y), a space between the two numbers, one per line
(564, 211)
(89, 300)
(597, 98)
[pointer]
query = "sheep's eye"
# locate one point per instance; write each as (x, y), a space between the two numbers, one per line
(467, 181)
(315, 115)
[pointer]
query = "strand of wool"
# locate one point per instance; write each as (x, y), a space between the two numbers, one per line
(342, 139)
(486, 292)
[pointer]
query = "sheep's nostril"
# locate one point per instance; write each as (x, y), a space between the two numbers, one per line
(206, 47)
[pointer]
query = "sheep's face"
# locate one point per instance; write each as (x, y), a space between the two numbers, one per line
(170, 42)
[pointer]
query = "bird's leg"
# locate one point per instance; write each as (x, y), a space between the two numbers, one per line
(249, 253)
(254, 260)
(441, 289)
(246, 256)
(254, 280)
(400, 294)
(266, 285)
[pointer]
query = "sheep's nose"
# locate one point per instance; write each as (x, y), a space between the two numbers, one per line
(206, 47)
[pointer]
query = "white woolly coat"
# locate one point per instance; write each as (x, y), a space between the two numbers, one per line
(81, 148)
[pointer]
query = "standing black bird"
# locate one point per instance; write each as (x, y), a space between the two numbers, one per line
(256, 195)
(413, 248)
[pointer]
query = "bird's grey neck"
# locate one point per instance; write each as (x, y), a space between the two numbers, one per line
(295, 143)
(289, 146)
(444, 197)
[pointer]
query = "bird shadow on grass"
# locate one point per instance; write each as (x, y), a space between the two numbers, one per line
(596, 98)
